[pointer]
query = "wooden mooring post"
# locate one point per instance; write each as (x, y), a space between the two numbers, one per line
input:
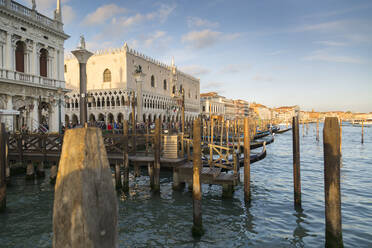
(296, 163)
(85, 210)
(341, 137)
(118, 184)
(53, 173)
(332, 193)
(317, 129)
(362, 141)
(197, 228)
(125, 158)
(156, 180)
(3, 159)
(247, 166)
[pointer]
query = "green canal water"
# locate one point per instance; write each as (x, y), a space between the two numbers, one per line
(270, 220)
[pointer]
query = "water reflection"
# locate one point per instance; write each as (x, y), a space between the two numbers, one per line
(300, 232)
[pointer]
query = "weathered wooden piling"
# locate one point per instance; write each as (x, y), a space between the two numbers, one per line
(30, 171)
(134, 128)
(332, 159)
(296, 163)
(3, 158)
(53, 173)
(362, 132)
(341, 137)
(303, 128)
(125, 157)
(118, 184)
(7, 165)
(317, 130)
(247, 166)
(197, 228)
(136, 170)
(40, 172)
(85, 210)
(156, 184)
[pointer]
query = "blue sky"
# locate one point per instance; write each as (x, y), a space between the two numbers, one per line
(316, 54)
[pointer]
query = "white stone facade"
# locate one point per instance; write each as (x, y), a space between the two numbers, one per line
(111, 82)
(214, 104)
(31, 67)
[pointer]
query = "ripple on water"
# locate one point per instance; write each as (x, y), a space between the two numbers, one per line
(269, 221)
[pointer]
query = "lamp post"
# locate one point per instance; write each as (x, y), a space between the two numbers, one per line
(82, 55)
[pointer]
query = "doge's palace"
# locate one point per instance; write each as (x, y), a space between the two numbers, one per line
(111, 83)
(31, 67)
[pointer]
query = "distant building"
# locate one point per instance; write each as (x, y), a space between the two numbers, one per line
(285, 113)
(212, 103)
(31, 67)
(111, 83)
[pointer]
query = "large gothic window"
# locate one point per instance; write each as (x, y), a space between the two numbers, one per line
(165, 84)
(152, 81)
(174, 89)
(107, 76)
(43, 62)
(20, 56)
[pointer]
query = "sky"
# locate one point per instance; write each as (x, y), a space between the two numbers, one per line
(316, 54)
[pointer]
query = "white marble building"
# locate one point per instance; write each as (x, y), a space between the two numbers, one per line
(31, 67)
(111, 82)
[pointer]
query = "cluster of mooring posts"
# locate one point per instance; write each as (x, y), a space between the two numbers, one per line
(215, 150)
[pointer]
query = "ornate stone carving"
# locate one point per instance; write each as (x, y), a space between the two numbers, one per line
(29, 45)
(2, 37)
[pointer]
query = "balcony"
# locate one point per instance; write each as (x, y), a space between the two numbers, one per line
(31, 14)
(28, 79)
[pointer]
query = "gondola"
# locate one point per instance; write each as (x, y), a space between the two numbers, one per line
(258, 144)
(283, 130)
(253, 157)
(260, 135)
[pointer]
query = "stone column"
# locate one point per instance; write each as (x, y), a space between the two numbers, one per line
(53, 117)
(55, 65)
(82, 56)
(139, 75)
(9, 119)
(9, 52)
(61, 66)
(35, 114)
(34, 60)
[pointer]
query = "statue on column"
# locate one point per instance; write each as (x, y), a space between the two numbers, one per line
(33, 4)
(82, 42)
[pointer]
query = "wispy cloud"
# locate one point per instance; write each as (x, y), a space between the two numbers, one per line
(69, 14)
(206, 38)
(262, 78)
(160, 15)
(197, 22)
(278, 52)
(158, 40)
(215, 86)
(330, 43)
(195, 70)
(324, 26)
(234, 68)
(102, 13)
(339, 11)
(322, 55)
